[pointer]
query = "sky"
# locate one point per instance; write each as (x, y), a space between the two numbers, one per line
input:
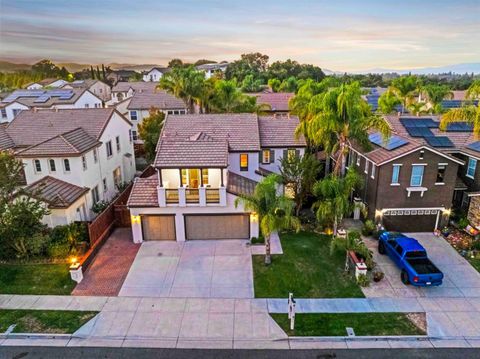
(338, 35)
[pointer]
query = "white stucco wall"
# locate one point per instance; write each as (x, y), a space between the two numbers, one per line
(276, 164)
(9, 109)
(59, 217)
(102, 90)
(153, 75)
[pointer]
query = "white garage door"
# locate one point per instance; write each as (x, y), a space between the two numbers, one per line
(158, 228)
(230, 226)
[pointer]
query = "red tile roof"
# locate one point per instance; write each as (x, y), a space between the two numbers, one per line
(144, 100)
(56, 193)
(144, 192)
(278, 101)
(279, 132)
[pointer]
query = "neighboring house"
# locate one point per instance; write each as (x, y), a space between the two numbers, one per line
(276, 101)
(155, 74)
(203, 163)
(211, 69)
(458, 99)
(75, 157)
(121, 76)
(21, 100)
(52, 83)
(123, 90)
(97, 87)
(137, 107)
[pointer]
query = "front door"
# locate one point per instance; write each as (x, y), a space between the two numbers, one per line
(193, 178)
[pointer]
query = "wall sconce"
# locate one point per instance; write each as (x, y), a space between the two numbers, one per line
(378, 214)
(447, 212)
(254, 217)
(135, 219)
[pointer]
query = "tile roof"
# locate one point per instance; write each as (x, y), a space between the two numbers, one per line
(144, 192)
(87, 83)
(6, 141)
(124, 86)
(28, 97)
(278, 101)
(145, 99)
(32, 127)
(56, 193)
(279, 132)
(75, 142)
(240, 130)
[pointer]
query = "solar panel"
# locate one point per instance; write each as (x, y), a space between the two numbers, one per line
(42, 99)
(474, 146)
(419, 122)
(448, 104)
(439, 141)
(392, 143)
(460, 127)
(419, 131)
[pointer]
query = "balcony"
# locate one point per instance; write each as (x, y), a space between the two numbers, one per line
(171, 196)
(185, 196)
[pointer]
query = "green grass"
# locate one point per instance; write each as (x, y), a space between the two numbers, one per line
(44, 321)
(475, 263)
(35, 279)
(334, 324)
(306, 269)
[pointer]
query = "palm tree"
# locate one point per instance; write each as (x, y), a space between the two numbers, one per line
(274, 211)
(418, 108)
(473, 91)
(388, 101)
(340, 116)
(435, 95)
(333, 195)
(227, 96)
(404, 88)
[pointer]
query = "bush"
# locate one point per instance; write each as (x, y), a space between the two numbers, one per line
(368, 227)
(59, 234)
(259, 240)
(33, 246)
(363, 280)
(476, 245)
(100, 206)
(463, 222)
(58, 250)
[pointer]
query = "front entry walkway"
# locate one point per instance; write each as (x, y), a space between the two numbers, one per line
(110, 267)
(196, 269)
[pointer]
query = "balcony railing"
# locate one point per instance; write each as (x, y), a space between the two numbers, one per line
(212, 195)
(171, 195)
(240, 185)
(192, 195)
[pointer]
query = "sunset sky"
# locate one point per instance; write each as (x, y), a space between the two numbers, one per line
(337, 35)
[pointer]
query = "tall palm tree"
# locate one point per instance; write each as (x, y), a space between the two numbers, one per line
(473, 91)
(227, 96)
(339, 117)
(388, 101)
(418, 108)
(404, 88)
(274, 211)
(333, 195)
(435, 94)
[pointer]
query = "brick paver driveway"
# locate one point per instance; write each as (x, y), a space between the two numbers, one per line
(106, 274)
(202, 269)
(461, 279)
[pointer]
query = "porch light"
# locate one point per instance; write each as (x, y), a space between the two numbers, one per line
(254, 217)
(74, 264)
(447, 212)
(329, 231)
(135, 219)
(378, 213)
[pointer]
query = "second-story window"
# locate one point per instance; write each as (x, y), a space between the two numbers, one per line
(84, 162)
(243, 162)
(95, 155)
(133, 115)
(130, 135)
(105, 187)
(117, 142)
(51, 163)
(3, 113)
(95, 195)
(396, 174)
(108, 145)
(37, 165)
(66, 165)
(472, 166)
(266, 157)
(441, 173)
(417, 175)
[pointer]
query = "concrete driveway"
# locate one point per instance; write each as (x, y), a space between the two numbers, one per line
(461, 279)
(196, 269)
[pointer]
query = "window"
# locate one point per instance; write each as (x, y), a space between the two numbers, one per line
(396, 174)
(37, 165)
(130, 135)
(4, 113)
(16, 111)
(134, 135)
(441, 173)
(95, 155)
(117, 141)
(87, 105)
(243, 162)
(205, 176)
(117, 177)
(373, 171)
(95, 195)
(422, 153)
(51, 163)
(291, 154)
(417, 175)
(100, 90)
(266, 156)
(366, 166)
(105, 188)
(133, 115)
(472, 166)
(84, 162)
(108, 145)
(66, 165)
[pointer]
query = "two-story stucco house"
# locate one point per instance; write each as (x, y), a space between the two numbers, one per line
(21, 100)
(213, 68)
(155, 74)
(74, 158)
(50, 82)
(97, 87)
(203, 163)
(123, 90)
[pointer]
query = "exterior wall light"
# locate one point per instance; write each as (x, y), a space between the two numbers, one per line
(135, 219)
(254, 217)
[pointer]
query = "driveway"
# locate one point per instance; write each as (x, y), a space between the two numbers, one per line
(461, 279)
(201, 269)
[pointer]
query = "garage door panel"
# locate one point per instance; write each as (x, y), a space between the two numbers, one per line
(158, 228)
(217, 226)
(410, 223)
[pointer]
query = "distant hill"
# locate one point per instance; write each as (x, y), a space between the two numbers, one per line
(6, 66)
(455, 68)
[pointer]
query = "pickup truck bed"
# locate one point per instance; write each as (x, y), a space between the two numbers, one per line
(423, 265)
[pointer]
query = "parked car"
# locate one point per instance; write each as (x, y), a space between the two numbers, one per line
(410, 256)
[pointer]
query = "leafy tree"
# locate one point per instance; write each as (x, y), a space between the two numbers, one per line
(249, 64)
(289, 85)
(46, 68)
(388, 101)
(274, 84)
(333, 195)
(249, 84)
(203, 62)
(435, 95)
(338, 117)
(469, 113)
(175, 63)
(418, 108)
(404, 88)
(274, 211)
(290, 68)
(473, 91)
(228, 98)
(149, 131)
(299, 173)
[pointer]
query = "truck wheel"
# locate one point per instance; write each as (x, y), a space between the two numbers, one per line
(404, 277)
(381, 248)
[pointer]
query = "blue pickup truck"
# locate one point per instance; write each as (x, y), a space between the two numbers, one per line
(411, 258)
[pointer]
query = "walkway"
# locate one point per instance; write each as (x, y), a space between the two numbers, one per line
(110, 267)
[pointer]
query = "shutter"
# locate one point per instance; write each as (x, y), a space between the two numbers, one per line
(285, 153)
(260, 157)
(297, 153)
(272, 156)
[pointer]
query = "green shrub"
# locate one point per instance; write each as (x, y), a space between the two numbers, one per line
(476, 245)
(100, 206)
(58, 250)
(59, 234)
(363, 280)
(259, 240)
(33, 246)
(368, 227)
(463, 222)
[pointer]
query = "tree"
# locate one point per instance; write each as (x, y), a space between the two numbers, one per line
(333, 195)
(435, 95)
(92, 73)
(274, 84)
(289, 85)
(299, 173)
(149, 131)
(418, 108)
(338, 117)
(469, 113)
(46, 68)
(404, 88)
(249, 64)
(249, 84)
(274, 211)
(473, 91)
(387, 102)
(175, 63)
(228, 98)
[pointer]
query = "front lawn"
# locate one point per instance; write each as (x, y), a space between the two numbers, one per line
(474, 262)
(363, 324)
(306, 269)
(44, 321)
(35, 279)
